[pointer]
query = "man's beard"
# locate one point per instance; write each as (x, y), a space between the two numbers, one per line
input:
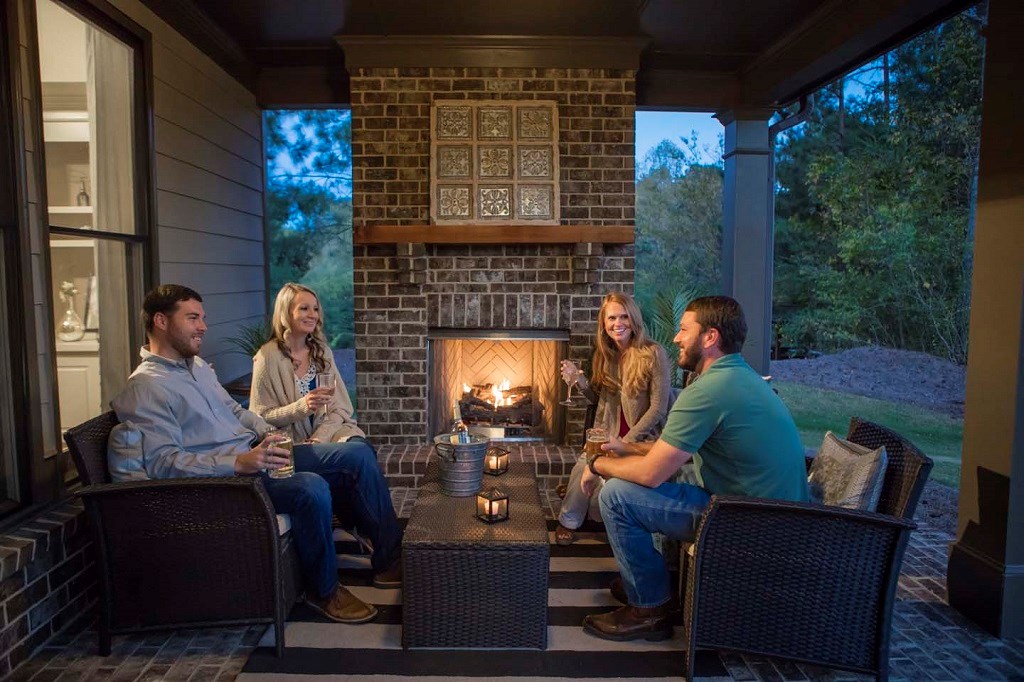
(691, 356)
(183, 346)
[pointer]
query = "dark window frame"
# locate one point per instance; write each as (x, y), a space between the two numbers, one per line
(16, 269)
(40, 475)
(108, 18)
(115, 22)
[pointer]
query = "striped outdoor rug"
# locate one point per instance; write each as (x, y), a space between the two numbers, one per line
(580, 575)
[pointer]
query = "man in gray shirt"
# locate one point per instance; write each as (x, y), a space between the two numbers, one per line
(190, 426)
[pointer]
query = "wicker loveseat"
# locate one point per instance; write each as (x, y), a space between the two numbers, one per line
(182, 552)
(806, 582)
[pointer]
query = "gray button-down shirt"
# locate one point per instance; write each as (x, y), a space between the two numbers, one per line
(190, 426)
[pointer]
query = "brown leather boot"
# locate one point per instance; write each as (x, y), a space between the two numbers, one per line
(618, 590)
(631, 622)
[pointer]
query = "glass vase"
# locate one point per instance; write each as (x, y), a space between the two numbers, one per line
(71, 327)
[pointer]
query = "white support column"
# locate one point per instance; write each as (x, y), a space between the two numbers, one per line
(748, 227)
(985, 578)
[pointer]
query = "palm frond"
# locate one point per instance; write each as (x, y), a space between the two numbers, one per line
(662, 313)
(250, 337)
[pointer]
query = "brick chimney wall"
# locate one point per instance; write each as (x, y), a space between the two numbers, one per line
(402, 290)
(391, 137)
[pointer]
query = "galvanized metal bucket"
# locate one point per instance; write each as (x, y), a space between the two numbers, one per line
(462, 464)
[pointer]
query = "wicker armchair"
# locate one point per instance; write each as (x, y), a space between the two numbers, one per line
(182, 552)
(806, 582)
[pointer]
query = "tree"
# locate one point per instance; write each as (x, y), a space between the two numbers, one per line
(874, 201)
(309, 210)
(678, 222)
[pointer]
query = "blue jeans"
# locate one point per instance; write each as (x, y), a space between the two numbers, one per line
(331, 476)
(631, 513)
(577, 506)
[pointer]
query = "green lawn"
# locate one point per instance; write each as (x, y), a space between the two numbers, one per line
(817, 410)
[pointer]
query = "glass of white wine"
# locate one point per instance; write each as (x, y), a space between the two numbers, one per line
(324, 380)
(571, 375)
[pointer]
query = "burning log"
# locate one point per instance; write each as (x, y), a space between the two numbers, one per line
(487, 393)
(515, 405)
(503, 415)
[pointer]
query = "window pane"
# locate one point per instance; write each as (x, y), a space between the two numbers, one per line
(90, 296)
(87, 78)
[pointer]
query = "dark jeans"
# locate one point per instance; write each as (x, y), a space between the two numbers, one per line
(631, 513)
(329, 476)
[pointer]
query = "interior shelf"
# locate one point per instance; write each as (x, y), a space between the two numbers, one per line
(87, 210)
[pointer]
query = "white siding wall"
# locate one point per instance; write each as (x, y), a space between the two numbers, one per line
(209, 182)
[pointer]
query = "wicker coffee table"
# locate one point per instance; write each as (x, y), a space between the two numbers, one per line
(471, 584)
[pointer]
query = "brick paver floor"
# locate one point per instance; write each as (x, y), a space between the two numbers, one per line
(930, 640)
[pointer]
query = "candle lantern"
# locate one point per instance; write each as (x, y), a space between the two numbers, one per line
(492, 506)
(496, 461)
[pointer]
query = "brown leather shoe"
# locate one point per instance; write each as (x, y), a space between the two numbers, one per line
(390, 578)
(631, 622)
(343, 607)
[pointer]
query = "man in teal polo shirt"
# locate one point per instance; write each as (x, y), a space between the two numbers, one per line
(742, 441)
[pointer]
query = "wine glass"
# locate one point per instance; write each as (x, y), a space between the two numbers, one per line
(324, 380)
(571, 376)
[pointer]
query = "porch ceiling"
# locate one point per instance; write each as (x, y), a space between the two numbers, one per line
(698, 54)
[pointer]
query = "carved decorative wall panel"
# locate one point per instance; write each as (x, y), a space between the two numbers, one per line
(494, 160)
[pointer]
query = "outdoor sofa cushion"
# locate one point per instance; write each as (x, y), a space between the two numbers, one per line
(845, 474)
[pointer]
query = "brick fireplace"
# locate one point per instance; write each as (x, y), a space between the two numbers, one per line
(411, 289)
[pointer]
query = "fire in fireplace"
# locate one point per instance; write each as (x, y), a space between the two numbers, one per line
(506, 383)
(500, 410)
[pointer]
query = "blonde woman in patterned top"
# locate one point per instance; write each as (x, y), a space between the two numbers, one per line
(284, 390)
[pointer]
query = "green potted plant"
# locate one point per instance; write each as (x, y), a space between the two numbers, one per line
(662, 313)
(248, 340)
(250, 337)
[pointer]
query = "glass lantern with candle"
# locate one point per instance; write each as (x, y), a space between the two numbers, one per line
(496, 461)
(492, 506)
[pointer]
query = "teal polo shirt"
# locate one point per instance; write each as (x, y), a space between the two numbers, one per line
(742, 437)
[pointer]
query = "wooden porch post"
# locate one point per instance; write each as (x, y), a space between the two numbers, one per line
(748, 226)
(986, 566)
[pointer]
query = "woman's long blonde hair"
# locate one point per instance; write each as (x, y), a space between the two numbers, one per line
(316, 342)
(635, 364)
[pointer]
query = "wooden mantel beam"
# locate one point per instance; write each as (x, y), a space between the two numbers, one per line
(493, 234)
